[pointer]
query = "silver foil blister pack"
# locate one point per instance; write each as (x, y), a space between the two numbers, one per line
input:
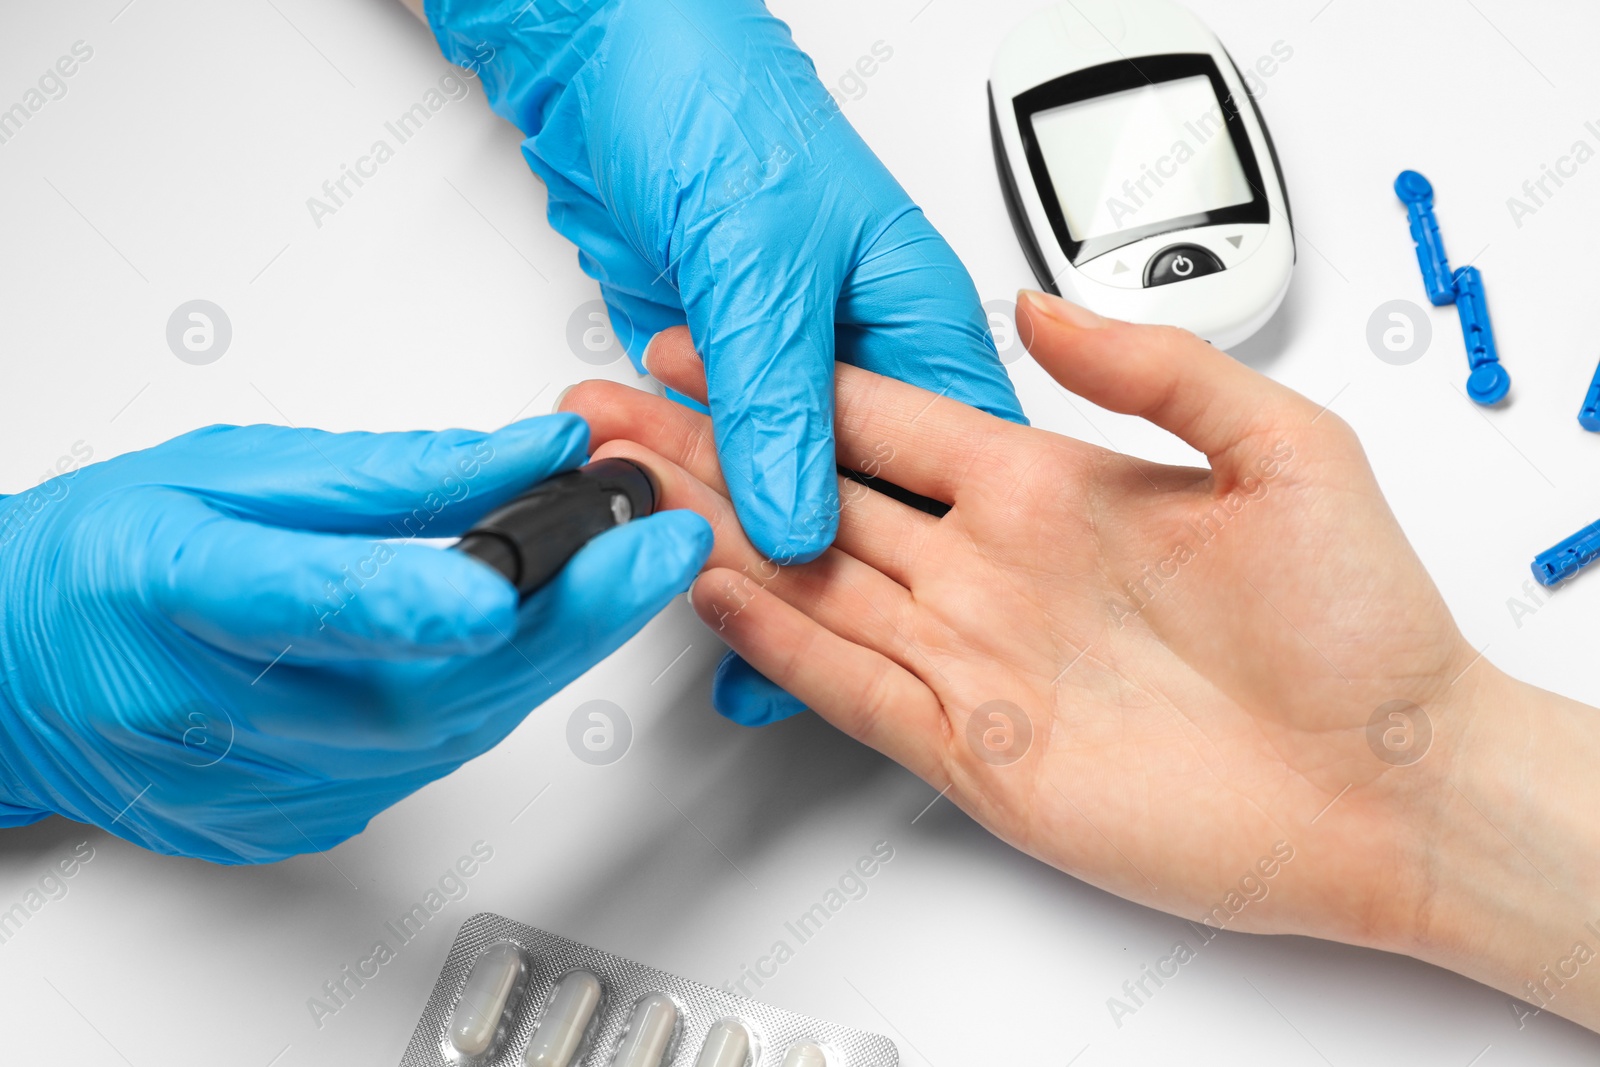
(516, 996)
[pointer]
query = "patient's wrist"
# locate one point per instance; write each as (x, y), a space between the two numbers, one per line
(1513, 860)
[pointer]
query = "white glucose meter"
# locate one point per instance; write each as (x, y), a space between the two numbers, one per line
(1137, 169)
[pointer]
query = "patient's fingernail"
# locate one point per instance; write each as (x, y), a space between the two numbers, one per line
(1063, 311)
(644, 357)
(562, 396)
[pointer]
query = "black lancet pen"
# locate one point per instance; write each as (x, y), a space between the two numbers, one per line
(531, 538)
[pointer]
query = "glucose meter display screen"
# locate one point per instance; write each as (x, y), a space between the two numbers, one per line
(1140, 157)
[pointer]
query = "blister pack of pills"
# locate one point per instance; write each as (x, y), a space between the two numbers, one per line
(515, 996)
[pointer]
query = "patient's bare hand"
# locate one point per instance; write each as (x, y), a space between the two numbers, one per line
(1154, 678)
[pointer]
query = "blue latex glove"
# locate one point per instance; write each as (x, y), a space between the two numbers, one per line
(207, 650)
(708, 177)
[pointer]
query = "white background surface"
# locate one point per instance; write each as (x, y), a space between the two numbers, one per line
(178, 166)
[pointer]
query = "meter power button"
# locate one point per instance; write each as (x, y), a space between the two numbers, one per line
(1180, 263)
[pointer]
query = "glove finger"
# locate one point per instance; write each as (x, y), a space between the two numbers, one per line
(744, 695)
(605, 594)
(265, 592)
(409, 485)
(450, 710)
(909, 310)
(769, 379)
(608, 591)
(628, 280)
(636, 319)
(389, 716)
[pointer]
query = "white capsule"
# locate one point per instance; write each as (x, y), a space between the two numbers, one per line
(564, 1021)
(492, 988)
(805, 1054)
(650, 1030)
(727, 1045)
